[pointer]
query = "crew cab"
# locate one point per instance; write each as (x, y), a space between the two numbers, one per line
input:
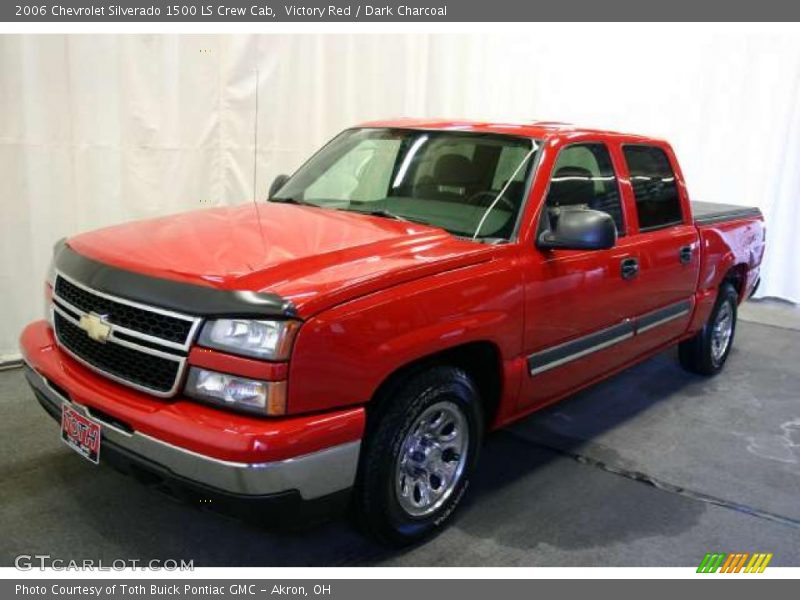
(351, 340)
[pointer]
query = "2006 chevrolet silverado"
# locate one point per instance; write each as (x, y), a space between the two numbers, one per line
(412, 286)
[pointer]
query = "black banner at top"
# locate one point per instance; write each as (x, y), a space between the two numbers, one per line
(415, 11)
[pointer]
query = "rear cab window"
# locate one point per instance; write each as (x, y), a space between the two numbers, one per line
(655, 188)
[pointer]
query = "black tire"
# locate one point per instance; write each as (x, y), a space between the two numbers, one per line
(697, 354)
(377, 507)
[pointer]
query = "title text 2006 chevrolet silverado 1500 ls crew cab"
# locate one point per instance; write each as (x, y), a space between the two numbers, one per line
(412, 286)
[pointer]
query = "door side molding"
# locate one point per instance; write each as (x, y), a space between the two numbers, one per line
(662, 315)
(555, 356)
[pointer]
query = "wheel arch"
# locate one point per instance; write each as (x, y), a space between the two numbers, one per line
(480, 360)
(737, 277)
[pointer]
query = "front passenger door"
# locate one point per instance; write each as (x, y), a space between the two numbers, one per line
(578, 303)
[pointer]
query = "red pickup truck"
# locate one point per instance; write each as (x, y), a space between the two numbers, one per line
(412, 286)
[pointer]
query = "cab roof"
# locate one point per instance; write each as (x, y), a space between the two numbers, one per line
(531, 129)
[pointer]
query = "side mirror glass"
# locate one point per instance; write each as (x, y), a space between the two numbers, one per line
(579, 229)
(277, 184)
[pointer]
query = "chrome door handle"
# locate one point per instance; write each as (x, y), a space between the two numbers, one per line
(685, 255)
(629, 268)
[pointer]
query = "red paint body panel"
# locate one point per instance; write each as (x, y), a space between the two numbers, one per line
(377, 295)
(533, 129)
(314, 257)
(725, 246)
(187, 424)
(360, 343)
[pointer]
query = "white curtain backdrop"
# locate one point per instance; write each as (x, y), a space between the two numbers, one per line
(96, 130)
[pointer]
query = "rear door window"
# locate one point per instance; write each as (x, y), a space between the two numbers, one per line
(655, 189)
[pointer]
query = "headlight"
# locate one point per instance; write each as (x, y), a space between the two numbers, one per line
(240, 393)
(271, 340)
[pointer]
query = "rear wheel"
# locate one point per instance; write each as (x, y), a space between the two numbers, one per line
(419, 452)
(707, 351)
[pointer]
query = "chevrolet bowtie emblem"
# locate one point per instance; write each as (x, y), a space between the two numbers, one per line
(95, 326)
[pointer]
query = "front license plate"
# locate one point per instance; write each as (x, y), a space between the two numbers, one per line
(80, 434)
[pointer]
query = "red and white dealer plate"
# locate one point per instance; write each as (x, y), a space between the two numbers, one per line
(80, 434)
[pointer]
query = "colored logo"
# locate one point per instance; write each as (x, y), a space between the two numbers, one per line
(737, 562)
(96, 326)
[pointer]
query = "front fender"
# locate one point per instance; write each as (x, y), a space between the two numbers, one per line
(342, 355)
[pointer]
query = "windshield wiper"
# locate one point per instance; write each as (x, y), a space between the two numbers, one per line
(382, 212)
(291, 201)
(377, 212)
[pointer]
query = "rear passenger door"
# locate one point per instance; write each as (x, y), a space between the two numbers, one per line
(666, 241)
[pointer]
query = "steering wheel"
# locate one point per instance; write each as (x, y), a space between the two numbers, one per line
(477, 199)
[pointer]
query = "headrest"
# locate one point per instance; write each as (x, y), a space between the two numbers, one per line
(571, 185)
(453, 168)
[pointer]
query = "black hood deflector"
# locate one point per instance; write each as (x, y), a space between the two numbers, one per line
(164, 293)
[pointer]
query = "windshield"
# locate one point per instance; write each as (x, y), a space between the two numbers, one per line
(470, 184)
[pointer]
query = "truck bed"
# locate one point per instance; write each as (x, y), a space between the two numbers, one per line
(710, 212)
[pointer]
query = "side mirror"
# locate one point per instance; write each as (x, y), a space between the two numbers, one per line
(277, 184)
(580, 229)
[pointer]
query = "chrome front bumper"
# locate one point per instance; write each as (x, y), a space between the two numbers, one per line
(313, 475)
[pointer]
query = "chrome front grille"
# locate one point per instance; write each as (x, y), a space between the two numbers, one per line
(145, 347)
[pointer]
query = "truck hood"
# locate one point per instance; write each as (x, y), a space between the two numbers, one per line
(311, 256)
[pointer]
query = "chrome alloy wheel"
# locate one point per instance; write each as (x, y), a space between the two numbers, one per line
(722, 332)
(432, 459)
